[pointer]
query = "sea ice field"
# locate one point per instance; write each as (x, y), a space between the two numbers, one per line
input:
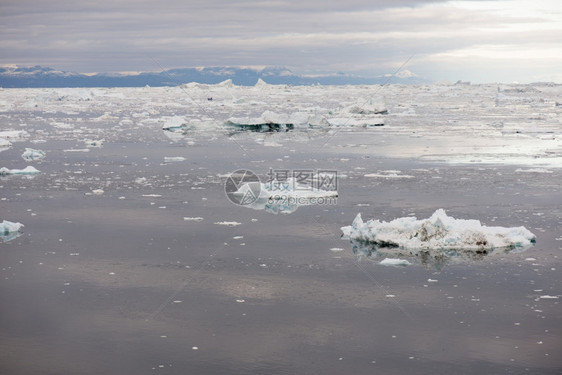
(221, 229)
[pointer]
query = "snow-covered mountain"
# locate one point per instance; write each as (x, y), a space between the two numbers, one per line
(37, 76)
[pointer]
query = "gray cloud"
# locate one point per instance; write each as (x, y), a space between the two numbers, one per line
(369, 36)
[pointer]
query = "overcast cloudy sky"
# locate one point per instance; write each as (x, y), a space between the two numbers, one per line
(480, 41)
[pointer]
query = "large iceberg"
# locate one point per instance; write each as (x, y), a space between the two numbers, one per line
(10, 230)
(437, 232)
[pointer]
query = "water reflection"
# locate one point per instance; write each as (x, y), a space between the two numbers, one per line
(430, 258)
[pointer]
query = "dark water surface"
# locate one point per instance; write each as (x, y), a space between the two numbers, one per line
(120, 283)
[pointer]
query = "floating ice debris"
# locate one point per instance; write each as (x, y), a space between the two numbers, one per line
(438, 232)
(268, 121)
(5, 144)
(29, 170)
(193, 219)
(76, 150)
(93, 143)
(169, 159)
(533, 170)
(14, 135)
(388, 174)
(394, 262)
(10, 230)
(31, 154)
(228, 223)
(97, 191)
(336, 249)
(366, 107)
(548, 297)
(175, 124)
(365, 122)
(152, 195)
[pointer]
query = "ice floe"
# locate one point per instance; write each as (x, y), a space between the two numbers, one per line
(14, 135)
(98, 143)
(438, 240)
(32, 155)
(437, 232)
(29, 170)
(389, 174)
(268, 121)
(394, 262)
(228, 223)
(171, 159)
(5, 144)
(10, 230)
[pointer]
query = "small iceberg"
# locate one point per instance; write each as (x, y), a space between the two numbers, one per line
(366, 107)
(394, 262)
(268, 121)
(433, 242)
(171, 159)
(98, 143)
(437, 232)
(10, 230)
(5, 144)
(33, 155)
(175, 124)
(29, 170)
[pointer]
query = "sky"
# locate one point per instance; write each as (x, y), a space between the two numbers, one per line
(477, 40)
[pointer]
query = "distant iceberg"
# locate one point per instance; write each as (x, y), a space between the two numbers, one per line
(32, 155)
(437, 232)
(268, 121)
(366, 107)
(10, 230)
(29, 170)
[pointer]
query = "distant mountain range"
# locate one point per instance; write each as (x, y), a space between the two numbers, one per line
(37, 76)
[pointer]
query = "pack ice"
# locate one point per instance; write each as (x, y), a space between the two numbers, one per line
(9, 230)
(437, 232)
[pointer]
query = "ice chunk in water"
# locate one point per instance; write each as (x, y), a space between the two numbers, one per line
(26, 171)
(437, 232)
(394, 262)
(10, 230)
(31, 154)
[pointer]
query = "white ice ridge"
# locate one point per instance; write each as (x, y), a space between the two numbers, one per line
(31, 154)
(437, 232)
(27, 170)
